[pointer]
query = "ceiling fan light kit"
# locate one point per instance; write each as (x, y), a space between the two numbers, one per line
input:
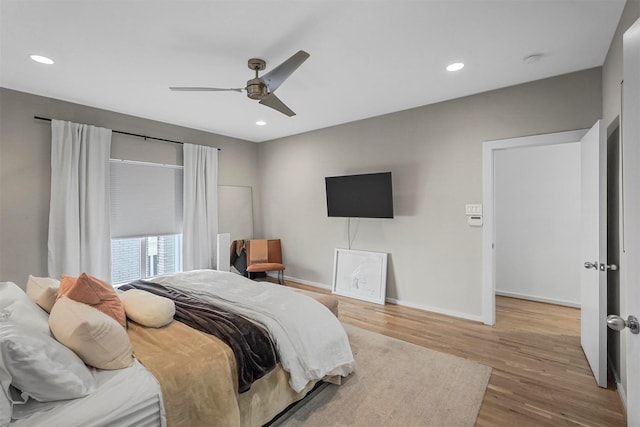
(262, 88)
(256, 89)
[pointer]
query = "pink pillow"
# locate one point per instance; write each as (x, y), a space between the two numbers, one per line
(94, 292)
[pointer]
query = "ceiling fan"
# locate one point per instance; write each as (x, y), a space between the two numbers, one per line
(262, 88)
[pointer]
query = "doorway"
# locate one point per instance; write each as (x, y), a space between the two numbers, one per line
(613, 246)
(489, 152)
(537, 217)
(593, 239)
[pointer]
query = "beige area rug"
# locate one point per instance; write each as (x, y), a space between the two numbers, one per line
(396, 383)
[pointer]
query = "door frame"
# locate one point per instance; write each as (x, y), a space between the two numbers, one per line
(630, 227)
(488, 230)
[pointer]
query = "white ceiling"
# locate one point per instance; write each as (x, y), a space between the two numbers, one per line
(367, 57)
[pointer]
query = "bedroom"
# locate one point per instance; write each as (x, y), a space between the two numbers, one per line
(434, 152)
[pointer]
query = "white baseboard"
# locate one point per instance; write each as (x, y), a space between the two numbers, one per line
(398, 302)
(538, 299)
(436, 310)
(616, 378)
(623, 395)
(301, 281)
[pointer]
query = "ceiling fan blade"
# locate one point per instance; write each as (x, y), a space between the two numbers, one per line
(204, 89)
(274, 102)
(274, 78)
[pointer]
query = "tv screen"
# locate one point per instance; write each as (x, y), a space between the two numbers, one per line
(360, 196)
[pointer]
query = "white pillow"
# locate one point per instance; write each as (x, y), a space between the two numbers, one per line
(17, 308)
(41, 367)
(15, 304)
(10, 292)
(97, 338)
(148, 309)
(5, 403)
(37, 285)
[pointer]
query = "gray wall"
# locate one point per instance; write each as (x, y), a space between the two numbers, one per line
(537, 222)
(611, 79)
(435, 155)
(25, 168)
(612, 68)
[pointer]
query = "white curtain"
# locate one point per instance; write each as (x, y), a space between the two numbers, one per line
(79, 214)
(200, 207)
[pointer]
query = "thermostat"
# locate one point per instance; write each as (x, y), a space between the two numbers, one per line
(474, 215)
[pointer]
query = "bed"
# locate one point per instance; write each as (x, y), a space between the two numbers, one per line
(129, 396)
(184, 376)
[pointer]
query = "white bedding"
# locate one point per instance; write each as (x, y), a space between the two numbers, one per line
(311, 342)
(126, 397)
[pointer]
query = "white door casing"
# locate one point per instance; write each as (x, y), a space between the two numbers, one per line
(631, 211)
(593, 227)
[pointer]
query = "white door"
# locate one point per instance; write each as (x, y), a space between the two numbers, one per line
(593, 280)
(631, 224)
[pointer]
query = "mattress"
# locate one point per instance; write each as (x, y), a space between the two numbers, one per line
(126, 397)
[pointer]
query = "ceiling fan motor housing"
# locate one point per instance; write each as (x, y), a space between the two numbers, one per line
(256, 89)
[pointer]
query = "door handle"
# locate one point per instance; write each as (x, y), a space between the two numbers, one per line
(602, 267)
(617, 323)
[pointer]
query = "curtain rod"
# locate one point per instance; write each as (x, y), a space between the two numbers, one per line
(46, 119)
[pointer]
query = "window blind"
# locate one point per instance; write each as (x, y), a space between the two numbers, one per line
(146, 199)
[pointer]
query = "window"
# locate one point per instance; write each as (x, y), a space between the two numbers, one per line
(146, 220)
(143, 257)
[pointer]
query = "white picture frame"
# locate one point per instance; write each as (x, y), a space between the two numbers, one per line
(360, 274)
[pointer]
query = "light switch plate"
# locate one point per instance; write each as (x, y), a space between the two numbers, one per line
(473, 209)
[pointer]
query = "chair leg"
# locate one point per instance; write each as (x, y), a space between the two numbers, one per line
(281, 277)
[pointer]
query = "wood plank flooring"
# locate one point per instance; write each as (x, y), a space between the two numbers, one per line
(540, 374)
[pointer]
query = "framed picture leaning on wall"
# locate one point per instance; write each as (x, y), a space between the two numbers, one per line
(360, 274)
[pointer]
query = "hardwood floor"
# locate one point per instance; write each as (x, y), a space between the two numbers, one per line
(540, 374)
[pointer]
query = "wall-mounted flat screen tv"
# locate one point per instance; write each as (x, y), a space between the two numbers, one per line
(360, 196)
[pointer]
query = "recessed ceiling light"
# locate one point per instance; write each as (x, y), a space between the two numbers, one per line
(455, 66)
(261, 123)
(42, 59)
(532, 58)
